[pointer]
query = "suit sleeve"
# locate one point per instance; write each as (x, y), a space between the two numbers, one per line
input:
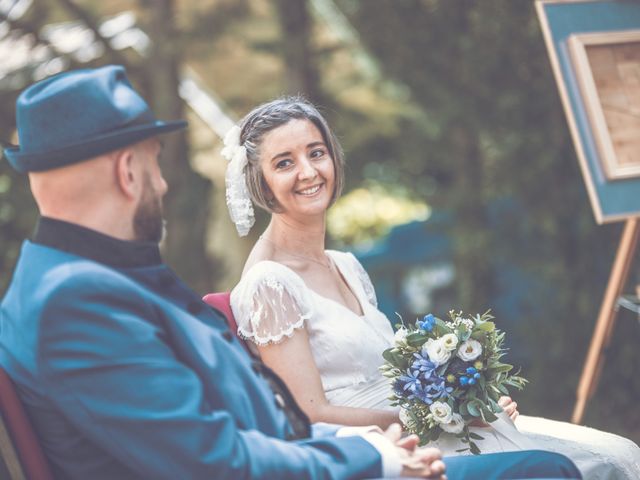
(112, 374)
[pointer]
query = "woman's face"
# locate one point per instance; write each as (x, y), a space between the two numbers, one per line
(298, 168)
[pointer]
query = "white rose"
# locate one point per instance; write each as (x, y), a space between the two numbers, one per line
(456, 425)
(449, 341)
(441, 412)
(436, 351)
(400, 335)
(470, 350)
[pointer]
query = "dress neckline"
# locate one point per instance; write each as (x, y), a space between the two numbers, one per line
(345, 278)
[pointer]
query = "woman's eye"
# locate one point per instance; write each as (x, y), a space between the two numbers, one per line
(283, 164)
(317, 153)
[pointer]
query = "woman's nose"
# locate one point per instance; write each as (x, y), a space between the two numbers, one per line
(307, 170)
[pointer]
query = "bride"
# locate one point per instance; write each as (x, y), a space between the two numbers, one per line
(312, 312)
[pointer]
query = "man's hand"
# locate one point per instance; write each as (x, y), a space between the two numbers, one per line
(510, 407)
(416, 462)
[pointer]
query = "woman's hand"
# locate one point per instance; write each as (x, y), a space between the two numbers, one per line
(507, 404)
(510, 407)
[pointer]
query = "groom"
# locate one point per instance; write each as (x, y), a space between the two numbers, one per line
(123, 370)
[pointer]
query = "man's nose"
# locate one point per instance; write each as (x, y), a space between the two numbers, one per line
(163, 186)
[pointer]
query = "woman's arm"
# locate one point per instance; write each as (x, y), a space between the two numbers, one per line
(292, 359)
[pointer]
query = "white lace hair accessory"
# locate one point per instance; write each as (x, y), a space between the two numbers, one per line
(238, 198)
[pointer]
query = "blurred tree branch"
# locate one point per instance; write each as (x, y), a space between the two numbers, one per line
(30, 28)
(91, 23)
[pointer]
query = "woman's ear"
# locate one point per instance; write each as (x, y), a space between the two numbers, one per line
(128, 178)
(268, 194)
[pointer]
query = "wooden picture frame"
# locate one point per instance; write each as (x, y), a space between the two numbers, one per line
(607, 66)
(574, 30)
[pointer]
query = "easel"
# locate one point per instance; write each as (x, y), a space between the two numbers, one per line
(606, 318)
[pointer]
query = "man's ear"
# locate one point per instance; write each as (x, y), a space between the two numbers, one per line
(127, 177)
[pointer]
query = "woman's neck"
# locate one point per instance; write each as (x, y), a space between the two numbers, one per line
(301, 238)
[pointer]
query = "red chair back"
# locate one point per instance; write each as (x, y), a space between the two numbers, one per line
(222, 301)
(21, 435)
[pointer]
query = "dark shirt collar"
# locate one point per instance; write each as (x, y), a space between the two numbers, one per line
(84, 242)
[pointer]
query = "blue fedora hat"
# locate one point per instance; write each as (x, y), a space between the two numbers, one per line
(78, 115)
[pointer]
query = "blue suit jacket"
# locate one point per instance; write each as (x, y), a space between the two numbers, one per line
(128, 374)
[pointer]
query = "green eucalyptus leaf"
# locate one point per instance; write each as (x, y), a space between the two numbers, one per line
(416, 339)
(482, 384)
(473, 409)
(389, 355)
(488, 415)
(474, 448)
(499, 368)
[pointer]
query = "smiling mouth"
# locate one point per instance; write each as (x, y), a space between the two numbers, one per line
(310, 191)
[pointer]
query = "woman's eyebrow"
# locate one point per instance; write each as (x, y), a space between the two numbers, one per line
(286, 154)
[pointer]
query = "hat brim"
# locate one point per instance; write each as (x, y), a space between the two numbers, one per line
(39, 161)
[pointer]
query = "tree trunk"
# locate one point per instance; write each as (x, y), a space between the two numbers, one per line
(296, 27)
(186, 204)
(471, 233)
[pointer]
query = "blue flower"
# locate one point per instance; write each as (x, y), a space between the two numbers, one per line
(398, 387)
(434, 390)
(422, 365)
(471, 371)
(464, 381)
(440, 386)
(427, 323)
(421, 382)
(409, 385)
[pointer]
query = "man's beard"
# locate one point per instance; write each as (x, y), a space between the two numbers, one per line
(148, 224)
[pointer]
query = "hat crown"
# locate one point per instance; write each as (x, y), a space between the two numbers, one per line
(78, 115)
(76, 105)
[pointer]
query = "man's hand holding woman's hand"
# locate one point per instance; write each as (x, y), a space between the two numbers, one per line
(416, 462)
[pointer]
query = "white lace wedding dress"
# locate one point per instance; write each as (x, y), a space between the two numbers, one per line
(272, 301)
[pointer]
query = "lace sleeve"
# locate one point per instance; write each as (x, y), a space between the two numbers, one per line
(269, 303)
(363, 276)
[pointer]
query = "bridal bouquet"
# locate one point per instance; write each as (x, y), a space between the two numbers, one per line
(447, 374)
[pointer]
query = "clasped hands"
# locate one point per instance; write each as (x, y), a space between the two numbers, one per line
(416, 462)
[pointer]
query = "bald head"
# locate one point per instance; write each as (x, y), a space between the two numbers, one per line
(101, 193)
(68, 189)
